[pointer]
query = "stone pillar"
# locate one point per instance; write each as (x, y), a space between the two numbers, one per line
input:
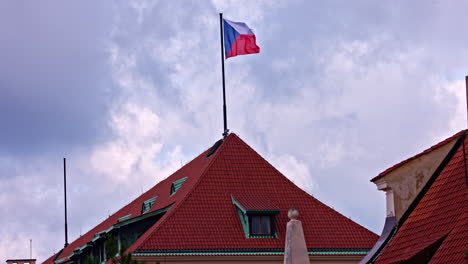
(295, 251)
(382, 185)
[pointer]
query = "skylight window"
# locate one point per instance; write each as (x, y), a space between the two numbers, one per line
(147, 205)
(175, 186)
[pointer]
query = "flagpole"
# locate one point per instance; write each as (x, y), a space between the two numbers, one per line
(65, 199)
(225, 132)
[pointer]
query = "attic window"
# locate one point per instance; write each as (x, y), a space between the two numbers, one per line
(175, 186)
(257, 222)
(147, 205)
(260, 225)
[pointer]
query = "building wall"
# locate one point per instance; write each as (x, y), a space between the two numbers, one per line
(245, 259)
(404, 183)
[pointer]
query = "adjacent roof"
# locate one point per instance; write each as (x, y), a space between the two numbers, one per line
(194, 168)
(438, 223)
(436, 146)
(203, 217)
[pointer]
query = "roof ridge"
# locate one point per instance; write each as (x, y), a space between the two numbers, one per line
(141, 240)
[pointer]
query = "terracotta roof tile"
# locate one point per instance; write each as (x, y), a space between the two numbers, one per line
(253, 201)
(207, 219)
(193, 169)
(203, 215)
(441, 215)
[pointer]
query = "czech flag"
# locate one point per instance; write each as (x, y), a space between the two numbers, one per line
(239, 39)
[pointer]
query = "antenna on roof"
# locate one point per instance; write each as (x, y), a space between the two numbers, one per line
(65, 198)
(464, 154)
(466, 92)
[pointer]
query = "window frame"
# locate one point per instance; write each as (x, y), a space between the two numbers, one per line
(270, 221)
(245, 217)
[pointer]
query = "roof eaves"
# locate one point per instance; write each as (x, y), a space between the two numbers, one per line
(262, 251)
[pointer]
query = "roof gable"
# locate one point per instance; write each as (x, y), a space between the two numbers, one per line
(436, 146)
(438, 222)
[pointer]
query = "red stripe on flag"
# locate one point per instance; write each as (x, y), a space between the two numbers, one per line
(244, 44)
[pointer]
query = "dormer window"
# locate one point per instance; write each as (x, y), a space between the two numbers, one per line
(260, 225)
(175, 186)
(148, 204)
(257, 216)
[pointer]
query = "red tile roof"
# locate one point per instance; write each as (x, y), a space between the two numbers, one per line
(193, 169)
(254, 201)
(204, 217)
(440, 216)
(207, 218)
(436, 146)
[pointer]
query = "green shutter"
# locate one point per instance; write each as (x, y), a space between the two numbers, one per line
(175, 186)
(123, 218)
(147, 205)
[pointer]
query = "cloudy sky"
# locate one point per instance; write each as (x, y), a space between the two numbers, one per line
(130, 90)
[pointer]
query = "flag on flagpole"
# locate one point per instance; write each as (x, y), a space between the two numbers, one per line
(239, 39)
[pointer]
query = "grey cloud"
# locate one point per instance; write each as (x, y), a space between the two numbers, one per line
(54, 84)
(338, 93)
